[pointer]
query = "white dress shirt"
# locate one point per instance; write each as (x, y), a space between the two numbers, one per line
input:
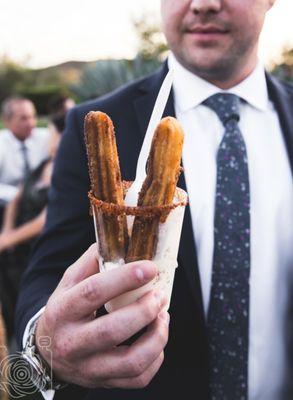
(271, 192)
(12, 161)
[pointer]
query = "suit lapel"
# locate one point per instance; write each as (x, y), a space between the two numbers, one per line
(283, 104)
(187, 251)
(144, 104)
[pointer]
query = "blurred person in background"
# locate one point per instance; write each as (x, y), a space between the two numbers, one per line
(22, 145)
(60, 105)
(23, 220)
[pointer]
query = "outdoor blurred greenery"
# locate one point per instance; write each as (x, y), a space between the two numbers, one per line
(86, 80)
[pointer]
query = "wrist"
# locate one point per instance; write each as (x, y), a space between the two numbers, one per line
(43, 342)
(37, 354)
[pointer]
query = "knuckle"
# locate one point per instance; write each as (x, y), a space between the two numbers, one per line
(133, 366)
(58, 309)
(91, 291)
(148, 308)
(105, 333)
(50, 317)
(62, 347)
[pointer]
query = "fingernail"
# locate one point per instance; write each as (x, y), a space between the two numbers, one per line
(145, 270)
(139, 273)
(164, 316)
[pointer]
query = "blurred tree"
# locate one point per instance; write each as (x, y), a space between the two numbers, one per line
(11, 74)
(152, 43)
(41, 86)
(43, 95)
(108, 75)
(284, 69)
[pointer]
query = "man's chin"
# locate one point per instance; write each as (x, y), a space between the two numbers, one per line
(25, 136)
(206, 67)
(212, 70)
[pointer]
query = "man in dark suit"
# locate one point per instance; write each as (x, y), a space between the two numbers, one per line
(216, 346)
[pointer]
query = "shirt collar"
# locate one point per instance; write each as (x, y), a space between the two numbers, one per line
(13, 140)
(18, 143)
(191, 90)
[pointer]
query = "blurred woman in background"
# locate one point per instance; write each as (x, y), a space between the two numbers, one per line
(23, 221)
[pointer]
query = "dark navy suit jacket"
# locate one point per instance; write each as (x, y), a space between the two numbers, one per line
(69, 232)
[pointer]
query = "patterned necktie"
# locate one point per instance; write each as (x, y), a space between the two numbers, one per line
(26, 165)
(228, 315)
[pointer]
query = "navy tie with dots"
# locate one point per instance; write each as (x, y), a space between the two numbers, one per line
(228, 314)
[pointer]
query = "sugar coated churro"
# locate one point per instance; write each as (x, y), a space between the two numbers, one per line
(106, 184)
(163, 170)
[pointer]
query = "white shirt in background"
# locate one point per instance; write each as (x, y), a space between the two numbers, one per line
(12, 162)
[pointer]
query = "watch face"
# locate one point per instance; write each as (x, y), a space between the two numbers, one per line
(19, 378)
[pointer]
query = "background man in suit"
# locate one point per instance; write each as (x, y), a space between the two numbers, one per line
(206, 355)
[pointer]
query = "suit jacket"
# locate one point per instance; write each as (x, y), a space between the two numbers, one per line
(69, 231)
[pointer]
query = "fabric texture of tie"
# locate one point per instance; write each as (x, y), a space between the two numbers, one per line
(26, 165)
(228, 314)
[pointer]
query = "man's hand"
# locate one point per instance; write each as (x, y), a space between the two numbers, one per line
(85, 350)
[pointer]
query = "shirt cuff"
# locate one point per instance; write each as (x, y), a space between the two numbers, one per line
(8, 192)
(29, 324)
(47, 394)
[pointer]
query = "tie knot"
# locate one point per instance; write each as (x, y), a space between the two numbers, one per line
(23, 147)
(225, 105)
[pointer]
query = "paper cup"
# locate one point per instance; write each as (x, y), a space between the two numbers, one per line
(165, 254)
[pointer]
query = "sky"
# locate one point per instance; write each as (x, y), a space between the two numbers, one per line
(42, 33)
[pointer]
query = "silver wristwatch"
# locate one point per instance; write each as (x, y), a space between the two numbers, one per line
(41, 374)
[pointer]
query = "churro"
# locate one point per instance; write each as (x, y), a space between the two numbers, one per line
(106, 184)
(163, 170)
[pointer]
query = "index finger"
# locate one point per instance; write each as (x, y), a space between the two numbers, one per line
(87, 296)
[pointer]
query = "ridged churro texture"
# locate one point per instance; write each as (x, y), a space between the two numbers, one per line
(106, 183)
(163, 170)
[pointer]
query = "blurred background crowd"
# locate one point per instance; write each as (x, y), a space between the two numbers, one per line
(34, 103)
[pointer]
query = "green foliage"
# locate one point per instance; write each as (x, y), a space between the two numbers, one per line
(11, 75)
(42, 96)
(152, 44)
(108, 75)
(40, 86)
(284, 70)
